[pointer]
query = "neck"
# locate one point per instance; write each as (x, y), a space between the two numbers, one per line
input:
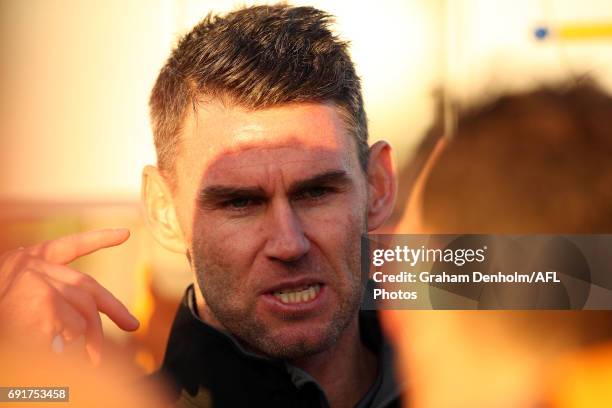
(347, 355)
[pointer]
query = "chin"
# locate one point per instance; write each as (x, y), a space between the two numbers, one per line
(295, 343)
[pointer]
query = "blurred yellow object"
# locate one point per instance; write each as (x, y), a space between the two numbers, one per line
(143, 303)
(577, 31)
(583, 379)
(145, 360)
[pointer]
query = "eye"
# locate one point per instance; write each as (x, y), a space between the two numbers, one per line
(314, 193)
(239, 203)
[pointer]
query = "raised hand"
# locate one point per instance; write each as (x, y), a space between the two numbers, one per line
(43, 300)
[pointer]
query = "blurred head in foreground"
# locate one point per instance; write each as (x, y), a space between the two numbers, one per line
(536, 162)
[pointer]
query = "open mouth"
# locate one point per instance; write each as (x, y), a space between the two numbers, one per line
(298, 295)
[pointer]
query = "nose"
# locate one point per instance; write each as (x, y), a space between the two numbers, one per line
(286, 240)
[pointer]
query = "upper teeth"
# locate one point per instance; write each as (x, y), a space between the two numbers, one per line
(303, 294)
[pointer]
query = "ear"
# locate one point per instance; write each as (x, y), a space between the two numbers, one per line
(159, 211)
(382, 184)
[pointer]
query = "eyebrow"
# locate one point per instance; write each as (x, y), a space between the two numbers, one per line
(212, 195)
(337, 178)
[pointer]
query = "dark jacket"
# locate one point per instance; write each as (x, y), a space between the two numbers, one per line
(208, 368)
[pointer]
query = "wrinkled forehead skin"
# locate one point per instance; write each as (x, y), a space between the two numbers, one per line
(229, 145)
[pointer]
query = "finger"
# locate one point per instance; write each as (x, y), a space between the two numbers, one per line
(84, 303)
(68, 321)
(105, 301)
(66, 249)
(114, 309)
(11, 262)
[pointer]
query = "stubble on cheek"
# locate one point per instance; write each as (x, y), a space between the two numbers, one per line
(352, 257)
(230, 309)
(219, 283)
(225, 286)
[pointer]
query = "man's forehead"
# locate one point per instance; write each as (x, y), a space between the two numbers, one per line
(255, 165)
(222, 138)
(257, 155)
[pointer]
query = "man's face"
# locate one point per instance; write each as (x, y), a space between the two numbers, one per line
(272, 204)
